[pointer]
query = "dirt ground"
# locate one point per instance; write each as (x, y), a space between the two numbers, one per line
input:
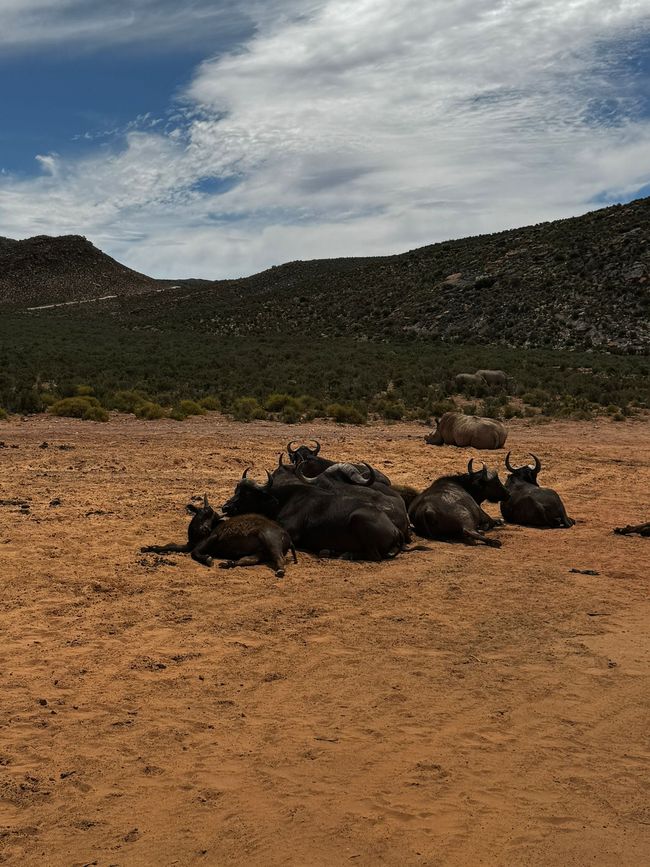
(458, 706)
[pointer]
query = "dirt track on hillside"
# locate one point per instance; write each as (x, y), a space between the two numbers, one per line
(458, 706)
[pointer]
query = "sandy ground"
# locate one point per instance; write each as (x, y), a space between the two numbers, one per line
(459, 706)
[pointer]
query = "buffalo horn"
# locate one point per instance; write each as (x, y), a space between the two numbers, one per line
(206, 505)
(303, 477)
(508, 464)
(291, 452)
(317, 447)
(371, 475)
(538, 464)
(245, 473)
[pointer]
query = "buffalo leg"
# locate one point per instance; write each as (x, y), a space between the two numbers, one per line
(252, 560)
(200, 553)
(166, 549)
(475, 536)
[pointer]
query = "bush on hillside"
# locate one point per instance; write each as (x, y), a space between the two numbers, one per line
(85, 407)
(345, 413)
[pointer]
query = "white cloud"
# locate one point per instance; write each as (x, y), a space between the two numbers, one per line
(361, 129)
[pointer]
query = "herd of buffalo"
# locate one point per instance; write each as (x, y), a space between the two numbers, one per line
(353, 511)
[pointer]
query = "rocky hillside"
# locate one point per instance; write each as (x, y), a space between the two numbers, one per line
(579, 283)
(44, 270)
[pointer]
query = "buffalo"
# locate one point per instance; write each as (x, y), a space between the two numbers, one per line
(641, 529)
(450, 508)
(457, 429)
(530, 505)
(339, 477)
(313, 464)
(243, 541)
(341, 521)
(494, 377)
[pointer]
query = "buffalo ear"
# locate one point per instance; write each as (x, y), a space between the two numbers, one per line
(192, 509)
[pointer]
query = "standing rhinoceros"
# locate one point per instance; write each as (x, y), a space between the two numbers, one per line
(464, 379)
(456, 429)
(493, 377)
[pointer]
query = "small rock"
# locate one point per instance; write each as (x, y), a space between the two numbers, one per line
(42, 702)
(44, 445)
(55, 502)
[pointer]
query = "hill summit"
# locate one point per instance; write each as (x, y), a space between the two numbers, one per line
(53, 270)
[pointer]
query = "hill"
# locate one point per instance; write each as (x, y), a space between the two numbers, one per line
(45, 270)
(579, 283)
(576, 284)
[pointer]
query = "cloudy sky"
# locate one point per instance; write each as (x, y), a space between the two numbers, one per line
(213, 138)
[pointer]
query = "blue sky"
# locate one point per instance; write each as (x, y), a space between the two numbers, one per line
(217, 138)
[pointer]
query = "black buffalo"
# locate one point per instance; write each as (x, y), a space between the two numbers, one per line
(242, 541)
(530, 505)
(450, 507)
(313, 465)
(340, 477)
(339, 521)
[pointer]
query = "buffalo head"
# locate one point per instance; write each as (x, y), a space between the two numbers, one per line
(251, 497)
(302, 453)
(526, 473)
(485, 484)
(204, 520)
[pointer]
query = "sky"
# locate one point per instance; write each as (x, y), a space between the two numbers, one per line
(215, 138)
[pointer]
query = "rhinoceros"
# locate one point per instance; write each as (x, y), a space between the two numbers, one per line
(456, 429)
(493, 377)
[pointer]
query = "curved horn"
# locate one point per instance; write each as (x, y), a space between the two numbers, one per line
(269, 479)
(317, 447)
(372, 478)
(472, 471)
(303, 478)
(291, 452)
(245, 473)
(470, 466)
(206, 505)
(538, 463)
(508, 464)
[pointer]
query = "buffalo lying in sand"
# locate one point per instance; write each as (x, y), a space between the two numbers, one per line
(641, 529)
(243, 541)
(340, 520)
(530, 505)
(450, 507)
(456, 429)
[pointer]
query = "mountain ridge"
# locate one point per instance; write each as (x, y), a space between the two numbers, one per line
(576, 283)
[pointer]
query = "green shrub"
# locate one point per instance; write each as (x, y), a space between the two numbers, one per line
(211, 403)
(246, 409)
(277, 402)
(442, 406)
(510, 411)
(290, 415)
(345, 413)
(190, 407)
(618, 416)
(128, 401)
(80, 407)
(95, 413)
(84, 390)
(4, 415)
(150, 411)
